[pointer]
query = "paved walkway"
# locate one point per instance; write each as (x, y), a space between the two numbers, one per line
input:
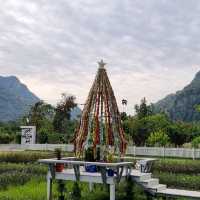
(181, 193)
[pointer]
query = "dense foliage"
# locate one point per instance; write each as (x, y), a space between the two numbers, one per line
(148, 128)
(55, 125)
(196, 142)
(9, 132)
(158, 139)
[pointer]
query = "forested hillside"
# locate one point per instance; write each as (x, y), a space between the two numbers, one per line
(182, 105)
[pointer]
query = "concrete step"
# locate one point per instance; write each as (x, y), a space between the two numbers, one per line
(150, 182)
(157, 188)
(139, 176)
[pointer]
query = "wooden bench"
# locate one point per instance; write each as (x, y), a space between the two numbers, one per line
(145, 165)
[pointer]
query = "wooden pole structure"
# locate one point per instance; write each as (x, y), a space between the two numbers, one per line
(100, 123)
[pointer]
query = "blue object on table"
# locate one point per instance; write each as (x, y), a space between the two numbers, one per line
(91, 168)
(110, 172)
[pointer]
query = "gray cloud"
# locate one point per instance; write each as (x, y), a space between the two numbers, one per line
(151, 47)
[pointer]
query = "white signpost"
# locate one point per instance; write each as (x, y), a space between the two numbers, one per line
(28, 135)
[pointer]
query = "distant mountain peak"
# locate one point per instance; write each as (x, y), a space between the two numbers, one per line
(11, 78)
(181, 105)
(15, 98)
(196, 81)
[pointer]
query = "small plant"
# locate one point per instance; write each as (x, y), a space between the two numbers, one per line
(110, 159)
(59, 166)
(110, 155)
(58, 153)
(89, 155)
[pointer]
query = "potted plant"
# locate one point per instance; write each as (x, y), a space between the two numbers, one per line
(89, 157)
(110, 159)
(59, 166)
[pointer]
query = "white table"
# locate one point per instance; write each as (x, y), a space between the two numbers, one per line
(77, 173)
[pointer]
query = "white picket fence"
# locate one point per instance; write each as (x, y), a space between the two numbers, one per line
(42, 147)
(131, 150)
(164, 152)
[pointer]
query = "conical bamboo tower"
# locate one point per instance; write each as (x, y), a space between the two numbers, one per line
(100, 124)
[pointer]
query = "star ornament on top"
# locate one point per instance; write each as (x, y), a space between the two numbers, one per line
(101, 64)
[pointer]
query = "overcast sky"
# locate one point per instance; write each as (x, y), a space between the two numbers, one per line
(152, 47)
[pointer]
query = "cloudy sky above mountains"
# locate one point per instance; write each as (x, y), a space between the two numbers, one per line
(152, 47)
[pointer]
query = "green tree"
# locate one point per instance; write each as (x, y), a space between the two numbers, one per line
(158, 139)
(196, 142)
(140, 129)
(63, 113)
(123, 116)
(41, 115)
(38, 113)
(143, 109)
(179, 133)
(45, 131)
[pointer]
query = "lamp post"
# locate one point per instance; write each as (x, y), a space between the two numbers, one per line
(124, 103)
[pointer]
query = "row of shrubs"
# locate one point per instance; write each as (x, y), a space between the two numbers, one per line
(178, 173)
(18, 174)
(24, 168)
(185, 166)
(13, 178)
(6, 138)
(181, 181)
(24, 156)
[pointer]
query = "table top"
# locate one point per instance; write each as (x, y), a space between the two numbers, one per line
(77, 162)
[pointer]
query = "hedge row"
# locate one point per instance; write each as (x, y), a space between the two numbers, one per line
(23, 168)
(13, 178)
(24, 157)
(181, 181)
(177, 166)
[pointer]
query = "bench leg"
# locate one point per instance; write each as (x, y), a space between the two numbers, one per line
(112, 191)
(91, 186)
(49, 186)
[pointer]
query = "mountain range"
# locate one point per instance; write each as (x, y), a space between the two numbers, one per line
(16, 99)
(183, 104)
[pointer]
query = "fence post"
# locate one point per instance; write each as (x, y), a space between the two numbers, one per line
(163, 152)
(193, 153)
(134, 151)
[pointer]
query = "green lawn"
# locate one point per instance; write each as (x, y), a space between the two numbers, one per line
(32, 190)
